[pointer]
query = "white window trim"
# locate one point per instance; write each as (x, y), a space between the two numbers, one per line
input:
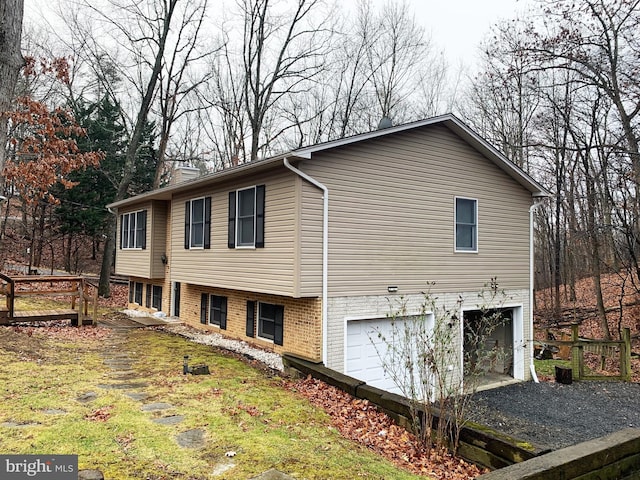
(209, 322)
(237, 245)
(130, 215)
(153, 288)
(138, 286)
(258, 336)
(204, 221)
(455, 223)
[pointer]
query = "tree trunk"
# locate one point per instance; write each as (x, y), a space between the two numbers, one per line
(595, 253)
(104, 287)
(11, 61)
(132, 151)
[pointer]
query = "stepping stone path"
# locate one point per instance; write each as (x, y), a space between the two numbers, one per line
(124, 377)
(154, 407)
(273, 475)
(87, 397)
(170, 420)
(193, 438)
(54, 411)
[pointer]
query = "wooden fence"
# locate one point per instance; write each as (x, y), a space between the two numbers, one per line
(82, 294)
(619, 350)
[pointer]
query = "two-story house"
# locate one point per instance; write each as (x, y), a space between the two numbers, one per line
(302, 252)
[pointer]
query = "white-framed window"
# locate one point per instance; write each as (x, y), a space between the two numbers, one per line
(196, 231)
(133, 230)
(137, 292)
(156, 297)
(197, 227)
(218, 311)
(270, 322)
(466, 224)
(246, 217)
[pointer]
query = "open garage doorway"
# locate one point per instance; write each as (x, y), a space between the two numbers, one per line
(493, 347)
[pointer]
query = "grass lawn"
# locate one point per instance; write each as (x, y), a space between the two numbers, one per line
(239, 408)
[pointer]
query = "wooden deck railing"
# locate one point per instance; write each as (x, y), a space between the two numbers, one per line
(82, 293)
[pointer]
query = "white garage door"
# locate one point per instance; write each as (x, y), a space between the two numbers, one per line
(363, 361)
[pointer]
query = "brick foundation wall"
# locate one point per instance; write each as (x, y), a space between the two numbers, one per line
(302, 319)
(166, 295)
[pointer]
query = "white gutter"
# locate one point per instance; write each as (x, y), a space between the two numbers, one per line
(532, 209)
(325, 249)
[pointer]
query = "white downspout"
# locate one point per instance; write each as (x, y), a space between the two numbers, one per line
(532, 209)
(325, 249)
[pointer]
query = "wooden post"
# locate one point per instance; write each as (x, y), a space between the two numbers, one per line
(80, 309)
(73, 300)
(95, 306)
(11, 299)
(576, 353)
(625, 355)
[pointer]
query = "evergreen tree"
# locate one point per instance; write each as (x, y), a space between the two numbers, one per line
(82, 208)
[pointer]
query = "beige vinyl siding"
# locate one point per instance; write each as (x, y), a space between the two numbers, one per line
(391, 216)
(134, 262)
(310, 239)
(267, 270)
(159, 239)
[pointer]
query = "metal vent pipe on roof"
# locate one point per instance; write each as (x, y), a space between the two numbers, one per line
(385, 122)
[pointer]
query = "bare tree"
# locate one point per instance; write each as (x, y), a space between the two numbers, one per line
(281, 54)
(394, 55)
(183, 74)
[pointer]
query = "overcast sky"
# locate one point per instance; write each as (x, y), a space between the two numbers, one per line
(457, 26)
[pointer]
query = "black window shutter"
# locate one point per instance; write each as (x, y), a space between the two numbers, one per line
(223, 313)
(278, 325)
(232, 220)
(203, 307)
(207, 222)
(121, 231)
(187, 224)
(260, 216)
(251, 319)
(148, 296)
(144, 229)
(130, 292)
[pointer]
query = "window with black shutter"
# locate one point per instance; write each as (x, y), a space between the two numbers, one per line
(246, 217)
(251, 319)
(137, 296)
(203, 308)
(156, 298)
(197, 223)
(271, 322)
(218, 311)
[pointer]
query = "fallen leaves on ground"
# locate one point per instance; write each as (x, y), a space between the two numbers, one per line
(361, 421)
(100, 415)
(617, 292)
(62, 331)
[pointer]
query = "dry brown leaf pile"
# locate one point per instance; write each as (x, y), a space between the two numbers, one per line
(362, 422)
